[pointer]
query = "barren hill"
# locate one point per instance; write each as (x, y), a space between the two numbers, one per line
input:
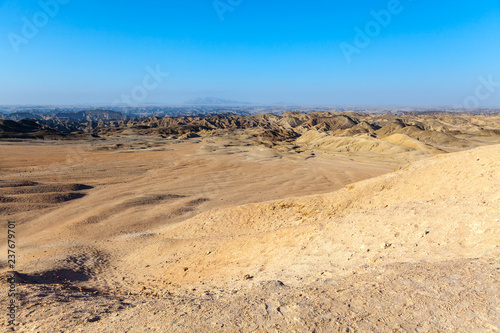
(445, 132)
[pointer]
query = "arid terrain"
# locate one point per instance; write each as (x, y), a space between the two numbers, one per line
(321, 222)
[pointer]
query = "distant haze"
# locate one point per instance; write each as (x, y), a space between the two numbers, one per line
(213, 101)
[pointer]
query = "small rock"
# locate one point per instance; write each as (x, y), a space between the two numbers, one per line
(425, 233)
(247, 277)
(93, 319)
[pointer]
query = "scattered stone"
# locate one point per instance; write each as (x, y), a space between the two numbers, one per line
(93, 319)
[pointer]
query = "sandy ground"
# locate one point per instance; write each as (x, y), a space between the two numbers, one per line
(138, 234)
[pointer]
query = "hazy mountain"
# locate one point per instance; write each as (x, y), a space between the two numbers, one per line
(22, 115)
(91, 115)
(213, 101)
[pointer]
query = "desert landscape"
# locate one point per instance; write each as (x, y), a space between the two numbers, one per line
(299, 222)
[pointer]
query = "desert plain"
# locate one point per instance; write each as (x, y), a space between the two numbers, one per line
(321, 222)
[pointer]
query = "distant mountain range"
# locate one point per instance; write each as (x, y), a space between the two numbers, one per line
(213, 101)
(90, 115)
(332, 131)
(22, 115)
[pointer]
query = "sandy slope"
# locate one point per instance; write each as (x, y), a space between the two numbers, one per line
(73, 199)
(438, 209)
(176, 238)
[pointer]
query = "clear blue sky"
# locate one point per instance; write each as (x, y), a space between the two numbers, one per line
(430, 53)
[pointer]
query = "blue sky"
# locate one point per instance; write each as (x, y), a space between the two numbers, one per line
(429, 53)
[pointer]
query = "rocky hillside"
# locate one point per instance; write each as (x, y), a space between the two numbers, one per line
(322, 131)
